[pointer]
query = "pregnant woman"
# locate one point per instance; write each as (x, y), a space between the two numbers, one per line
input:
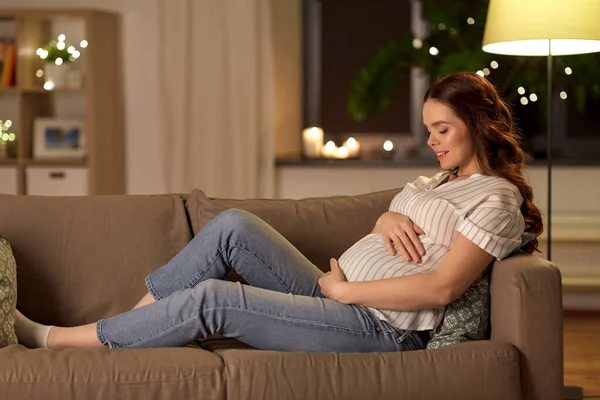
(385, 293)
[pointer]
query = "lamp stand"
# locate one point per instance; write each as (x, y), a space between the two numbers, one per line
(549, 154)
(569, 392)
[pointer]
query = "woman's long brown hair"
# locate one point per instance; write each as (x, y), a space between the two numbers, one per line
(497, 144)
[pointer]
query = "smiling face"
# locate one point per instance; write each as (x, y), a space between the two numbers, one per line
(449, 138)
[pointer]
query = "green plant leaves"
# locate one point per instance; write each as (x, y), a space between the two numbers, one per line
(459, 46)
(374, 85)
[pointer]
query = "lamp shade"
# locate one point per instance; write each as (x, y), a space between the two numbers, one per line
(542, 27)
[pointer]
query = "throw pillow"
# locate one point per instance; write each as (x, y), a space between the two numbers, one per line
(525, 238)
(8, 294)
(467, 318)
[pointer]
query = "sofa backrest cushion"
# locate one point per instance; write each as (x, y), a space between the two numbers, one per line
(320, 228)
(84, 258)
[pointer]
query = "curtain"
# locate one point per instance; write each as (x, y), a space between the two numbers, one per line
(216, 87)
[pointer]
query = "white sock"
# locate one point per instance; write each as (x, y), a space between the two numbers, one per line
(30, 333)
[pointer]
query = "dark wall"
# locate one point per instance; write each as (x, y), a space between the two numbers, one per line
(351, 32)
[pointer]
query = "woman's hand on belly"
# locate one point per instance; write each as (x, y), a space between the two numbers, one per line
(401, 234)
(332, 282)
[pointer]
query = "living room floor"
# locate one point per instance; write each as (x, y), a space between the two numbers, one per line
(582, 351)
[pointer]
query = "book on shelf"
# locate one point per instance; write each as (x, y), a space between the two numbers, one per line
(8, 57)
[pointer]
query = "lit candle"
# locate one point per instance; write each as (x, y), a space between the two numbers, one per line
(353, 147)
(342, 152)
(312, 142)
(330, 149)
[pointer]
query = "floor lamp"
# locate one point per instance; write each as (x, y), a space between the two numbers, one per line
(544, 28)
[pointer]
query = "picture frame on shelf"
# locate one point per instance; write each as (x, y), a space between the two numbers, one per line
(58, 138)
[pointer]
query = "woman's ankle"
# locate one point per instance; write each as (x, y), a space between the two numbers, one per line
(83, 336)
(51, 338)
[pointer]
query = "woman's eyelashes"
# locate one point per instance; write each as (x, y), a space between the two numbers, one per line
(439, 131)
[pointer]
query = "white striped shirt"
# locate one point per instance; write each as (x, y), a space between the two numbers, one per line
(485, 209)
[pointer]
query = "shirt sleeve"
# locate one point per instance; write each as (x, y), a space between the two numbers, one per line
(495, 225)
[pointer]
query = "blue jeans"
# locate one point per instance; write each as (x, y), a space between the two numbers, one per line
(282, 309)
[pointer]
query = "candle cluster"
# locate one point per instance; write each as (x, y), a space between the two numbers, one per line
(312, 143)
(349, 149)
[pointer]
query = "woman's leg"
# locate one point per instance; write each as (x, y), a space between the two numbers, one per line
(236, 239)
(147, 299)
(262, 318)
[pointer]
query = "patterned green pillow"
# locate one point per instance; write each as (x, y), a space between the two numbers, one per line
(467, 318)
(8, 294)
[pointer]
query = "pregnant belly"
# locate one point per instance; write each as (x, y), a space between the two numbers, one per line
(368, 259)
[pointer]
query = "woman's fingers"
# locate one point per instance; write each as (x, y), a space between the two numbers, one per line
(398, 243)
(418, 229)
(404, 240)
(395, 245)
(389, 244)
(410, 247)
(416, 242)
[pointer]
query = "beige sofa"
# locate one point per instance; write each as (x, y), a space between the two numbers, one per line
(84, 258)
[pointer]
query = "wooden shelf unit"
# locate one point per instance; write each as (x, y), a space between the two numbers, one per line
(56, 162)
(9, 161)
(98, 102)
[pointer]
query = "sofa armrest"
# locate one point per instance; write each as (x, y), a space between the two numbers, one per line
(526, 311)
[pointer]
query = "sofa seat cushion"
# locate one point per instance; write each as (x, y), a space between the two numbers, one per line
(176, 373)
(476, 370)
(320, 228)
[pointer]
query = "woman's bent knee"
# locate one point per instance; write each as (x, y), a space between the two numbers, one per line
(235, 219)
